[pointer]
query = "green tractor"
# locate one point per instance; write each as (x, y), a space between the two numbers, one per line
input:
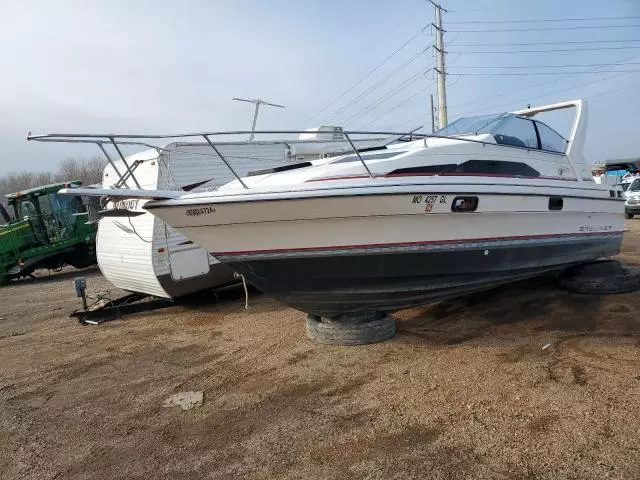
(45, 230)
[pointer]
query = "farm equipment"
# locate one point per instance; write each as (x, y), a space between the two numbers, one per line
(45, 230)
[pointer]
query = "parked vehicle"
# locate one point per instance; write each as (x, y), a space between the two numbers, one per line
(45, 230)
(631, 187)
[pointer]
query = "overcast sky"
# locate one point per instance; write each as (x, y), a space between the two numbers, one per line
(165, 66)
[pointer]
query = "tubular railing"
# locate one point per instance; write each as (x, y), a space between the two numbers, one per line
(116, 141)
(209, 139)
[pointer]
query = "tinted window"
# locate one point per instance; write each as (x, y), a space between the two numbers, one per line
(550, 139)
(490, 167)
(517, 132)
(370, 156)
(283, 168)
(470, 125)
(497, 167)
(635, 185)
(26, 209)
(425, 169)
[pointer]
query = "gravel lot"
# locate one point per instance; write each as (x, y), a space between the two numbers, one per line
(465, 390)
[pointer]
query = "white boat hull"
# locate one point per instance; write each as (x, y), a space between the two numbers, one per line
(350, 252)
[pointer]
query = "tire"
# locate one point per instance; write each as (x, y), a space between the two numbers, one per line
(628, 216)
(601, 278)
(352, 330)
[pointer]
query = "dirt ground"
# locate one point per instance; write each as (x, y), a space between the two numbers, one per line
(465, 390)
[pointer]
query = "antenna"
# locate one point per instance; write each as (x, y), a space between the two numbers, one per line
(257, 102)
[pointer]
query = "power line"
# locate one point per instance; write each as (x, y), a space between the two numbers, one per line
(575, 49)
(375, 86)
(554, 66)
(394, 91)
(614, 91)
(375, 69)
(542, 73)
(505, 94)
(542, 29)
(410, 121)
(573, 87)
(402, 103)
(547, 82)
(546, 20)
(519, 44)
(438, 6)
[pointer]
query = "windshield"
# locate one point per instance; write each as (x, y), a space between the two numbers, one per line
(471, 125)
(634, 186)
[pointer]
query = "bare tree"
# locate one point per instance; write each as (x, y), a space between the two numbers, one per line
(93, 168)
(87, 170)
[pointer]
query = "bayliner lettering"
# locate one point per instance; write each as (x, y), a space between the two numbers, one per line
(597, 228)
(200, 211)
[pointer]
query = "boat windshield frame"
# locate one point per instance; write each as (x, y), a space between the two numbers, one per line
(473, 125)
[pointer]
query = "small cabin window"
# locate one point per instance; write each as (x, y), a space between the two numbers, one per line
(425, 169)
(555, 203)
(283, 168)
(369, 156)
(464, 204)
(497, 167)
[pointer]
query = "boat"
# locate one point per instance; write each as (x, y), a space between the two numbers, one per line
(484, 202)
(138, 252)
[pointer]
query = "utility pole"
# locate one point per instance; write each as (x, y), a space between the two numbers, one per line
(257, 102)
(433, 116)
(440, 68)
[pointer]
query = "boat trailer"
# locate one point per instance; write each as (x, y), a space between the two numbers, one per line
(105, 309)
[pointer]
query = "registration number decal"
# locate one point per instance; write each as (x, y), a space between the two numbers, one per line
(429, 201)
(200, 211)
(130, 204)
